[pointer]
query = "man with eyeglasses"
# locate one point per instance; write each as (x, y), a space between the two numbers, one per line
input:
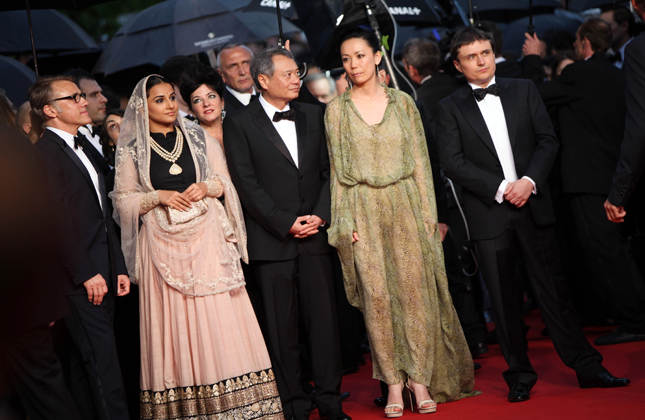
(91, 253)
(96, 107)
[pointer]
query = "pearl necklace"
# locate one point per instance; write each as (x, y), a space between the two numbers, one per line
(170, 156)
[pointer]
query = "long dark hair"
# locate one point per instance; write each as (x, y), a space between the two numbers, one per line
(104, 138)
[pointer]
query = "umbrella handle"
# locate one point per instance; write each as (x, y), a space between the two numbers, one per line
(375, 27)
(31, 34)
(281, 36)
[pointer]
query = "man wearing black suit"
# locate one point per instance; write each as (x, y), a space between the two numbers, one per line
(234, 65)
(277, 157)
(33, 283)
(96, 106)
(496, 141)
(92, 255)
(590, 98)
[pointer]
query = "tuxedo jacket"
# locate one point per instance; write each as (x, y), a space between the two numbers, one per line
(273, 191)
(231, 103)
(435, 89)
(91, 242)
(632, 158)
(468, 155)
(589, 97)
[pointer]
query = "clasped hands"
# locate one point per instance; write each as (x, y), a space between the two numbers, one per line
(182, 201)
(518, 192)
(615, 214)
(97, 287)
(305, 226)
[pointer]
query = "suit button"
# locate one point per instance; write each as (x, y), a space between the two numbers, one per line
(303, 200)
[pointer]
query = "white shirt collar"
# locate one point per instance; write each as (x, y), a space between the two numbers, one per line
(621, 50)
(245, 98)
(492, 82)
(67, 137)
(499, 60)
(425, 79)
(270, 109)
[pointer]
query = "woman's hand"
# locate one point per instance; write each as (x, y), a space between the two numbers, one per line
(354, 237)
(196, 192)
(174, 200)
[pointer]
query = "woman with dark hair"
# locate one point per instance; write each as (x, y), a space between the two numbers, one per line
(202, 89)
(384, 225)
(202, 352)
(110, 134)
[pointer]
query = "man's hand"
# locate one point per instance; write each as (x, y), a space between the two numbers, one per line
(311, 227)
(298, 225)
(124, 285)
(174, 199)
(443, 230)
(96, 289)
(518, 192)
(196, 192)
(532, 45)
(615, 214)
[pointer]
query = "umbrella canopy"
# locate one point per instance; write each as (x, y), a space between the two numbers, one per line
(421, 13)
(514, 32)
(580, 5)
(49, 4)
(15, 79)
(184, 27)
(53, 31)
(286, 7)
(507, 10)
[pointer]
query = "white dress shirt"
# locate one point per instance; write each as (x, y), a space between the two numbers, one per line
(245, 98)
(86, 130)
(621, 51)
(286, 128)
(493, 113)
(69, 139)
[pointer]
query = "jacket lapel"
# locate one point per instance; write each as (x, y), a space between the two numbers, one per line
(261, 119)
(301, 131)
(468, 106)
(509, 100)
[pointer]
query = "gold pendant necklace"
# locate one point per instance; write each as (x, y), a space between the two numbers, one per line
(170, 156)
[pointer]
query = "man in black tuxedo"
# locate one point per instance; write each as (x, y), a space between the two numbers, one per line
(92, 254)
(496, 141)
(96, 106)
(33, 283)
(589, 96)
(623, 26)
(277, 157)
(234, 65)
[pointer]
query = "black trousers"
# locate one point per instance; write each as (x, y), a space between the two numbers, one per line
(91, 328)
(293, 291)
(615, 276)
(538, 249)
(30, 369)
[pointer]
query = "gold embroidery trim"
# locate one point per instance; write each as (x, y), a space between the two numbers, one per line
(250, 396)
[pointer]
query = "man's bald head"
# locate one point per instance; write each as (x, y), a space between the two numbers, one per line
(23, 120)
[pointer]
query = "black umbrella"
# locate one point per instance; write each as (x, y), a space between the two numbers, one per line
(506, 10)
(580, 5)
(419, 13)
(28, 5)
(514, 32)
(15, 79)
(184, 27)
(52, 31)
(286, 7)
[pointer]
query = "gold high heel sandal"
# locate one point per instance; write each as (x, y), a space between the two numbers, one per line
(420, 407)
(394, 414)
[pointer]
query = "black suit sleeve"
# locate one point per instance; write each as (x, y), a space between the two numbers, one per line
(322, 208)
(252, 195)
(632, 156)
(439, 186)
(533, 69)
(480, 182)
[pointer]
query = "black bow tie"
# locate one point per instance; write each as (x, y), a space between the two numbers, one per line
(615, 57)
(80, 140)
(253, 98)
(480, 94)
(286, 115)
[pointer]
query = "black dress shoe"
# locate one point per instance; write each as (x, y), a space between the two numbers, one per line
(380, 401)
(519, 392)
(477, 366)
(618, 337)
(603, 380)
(478, 350)
(335, 414)
(344, 396)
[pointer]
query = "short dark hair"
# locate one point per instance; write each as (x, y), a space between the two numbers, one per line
(40, 93)
(598, 32)
(78, 74)
(357, 32)
(621, 14)
(174, 67)
(155, 80)
(200, 74)
(263, 63)
(493, 30)
(467, 36)
(422, 54)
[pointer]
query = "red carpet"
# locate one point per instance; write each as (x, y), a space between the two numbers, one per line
(555, 396)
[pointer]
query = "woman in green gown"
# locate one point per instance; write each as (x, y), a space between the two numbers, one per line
(384, 225)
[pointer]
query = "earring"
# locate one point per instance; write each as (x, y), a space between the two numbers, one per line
(349, 81)
(223, 114)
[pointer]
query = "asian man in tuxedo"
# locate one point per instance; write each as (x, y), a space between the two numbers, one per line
(277, 157)
(92, 254)
(496, 141)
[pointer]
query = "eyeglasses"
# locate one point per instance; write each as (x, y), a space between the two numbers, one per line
(76, 97)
